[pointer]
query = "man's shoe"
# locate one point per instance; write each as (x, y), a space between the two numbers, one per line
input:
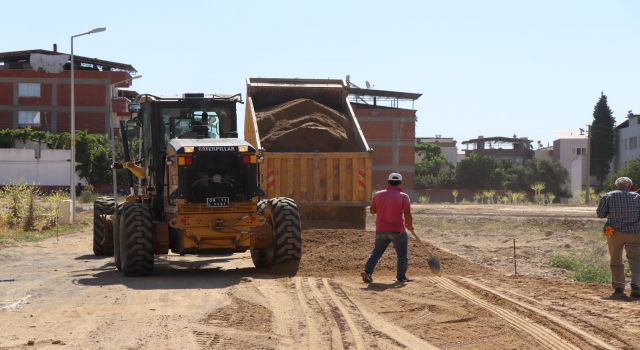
(366, 277)
(404, 279)
(618, 294)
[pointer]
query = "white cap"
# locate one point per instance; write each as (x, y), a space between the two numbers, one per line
(395, 177)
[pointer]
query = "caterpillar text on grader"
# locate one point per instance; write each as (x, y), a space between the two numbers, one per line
(197, 191)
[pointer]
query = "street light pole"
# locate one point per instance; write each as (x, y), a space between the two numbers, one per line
(72, 191)
(587, 192)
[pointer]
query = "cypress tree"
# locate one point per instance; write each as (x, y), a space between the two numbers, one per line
(602, 139)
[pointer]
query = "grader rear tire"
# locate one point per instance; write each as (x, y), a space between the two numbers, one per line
(136, 240)
(102, 233)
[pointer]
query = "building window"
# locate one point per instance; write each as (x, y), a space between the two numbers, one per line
(29, 89)
(578, 151)
(28, 118)
(633, 142)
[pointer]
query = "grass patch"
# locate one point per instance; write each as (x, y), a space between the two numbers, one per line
(587, 267)
(10, 236)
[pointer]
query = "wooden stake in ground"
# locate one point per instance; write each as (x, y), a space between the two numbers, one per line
(515, 263)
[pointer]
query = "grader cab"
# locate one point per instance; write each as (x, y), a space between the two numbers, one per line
(194, 190)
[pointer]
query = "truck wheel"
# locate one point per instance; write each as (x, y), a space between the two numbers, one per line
(287, 230)
(136, 240)
(102, 230)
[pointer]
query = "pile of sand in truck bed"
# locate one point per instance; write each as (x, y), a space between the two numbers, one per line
(304, 125)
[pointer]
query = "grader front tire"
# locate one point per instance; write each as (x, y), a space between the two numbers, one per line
(136, 240)
(288, 230)
(284, 220)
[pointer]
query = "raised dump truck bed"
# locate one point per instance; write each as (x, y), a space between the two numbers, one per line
(314, 150)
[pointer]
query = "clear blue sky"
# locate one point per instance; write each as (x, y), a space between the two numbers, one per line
(491, 68)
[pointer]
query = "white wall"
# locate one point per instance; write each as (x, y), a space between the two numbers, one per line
(577, 178)
(625, 150)
(21, 165)
(566, 151)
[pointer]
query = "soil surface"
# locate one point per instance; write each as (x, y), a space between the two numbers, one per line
(304, 125)
(62, 296)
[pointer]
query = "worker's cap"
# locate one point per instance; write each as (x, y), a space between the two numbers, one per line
(395, 177)
(623, 182)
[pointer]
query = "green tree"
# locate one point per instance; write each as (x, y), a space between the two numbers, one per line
(432, 171)
(602, 139)
(632, 171)
(477, 172)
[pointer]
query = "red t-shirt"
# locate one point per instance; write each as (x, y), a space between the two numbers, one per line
(390, 205)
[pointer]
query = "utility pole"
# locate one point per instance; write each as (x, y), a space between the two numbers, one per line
(588, 188)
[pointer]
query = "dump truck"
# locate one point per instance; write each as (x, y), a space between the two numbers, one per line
(195, 189)
(313, 148)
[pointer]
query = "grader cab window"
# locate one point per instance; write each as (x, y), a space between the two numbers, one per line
(195, 123)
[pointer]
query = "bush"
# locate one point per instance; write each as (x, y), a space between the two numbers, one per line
(87, 197)
(593, 195)
(424, 199)
(586, 267)
(25, 208)
(20, 199)
(53, 203)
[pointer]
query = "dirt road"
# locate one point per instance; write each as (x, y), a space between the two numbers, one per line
(63, 297)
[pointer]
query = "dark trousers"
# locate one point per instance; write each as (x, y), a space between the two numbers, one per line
(400, 243)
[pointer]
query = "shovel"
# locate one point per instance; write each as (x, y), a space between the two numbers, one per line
(432, 260)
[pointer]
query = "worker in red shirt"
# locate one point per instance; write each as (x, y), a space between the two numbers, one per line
(392, 208)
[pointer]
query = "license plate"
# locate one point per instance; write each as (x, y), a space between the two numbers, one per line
(214, 202)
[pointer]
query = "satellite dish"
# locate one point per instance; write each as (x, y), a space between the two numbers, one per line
(367, 84)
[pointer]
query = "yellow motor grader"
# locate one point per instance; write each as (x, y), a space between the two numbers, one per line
(193, 190)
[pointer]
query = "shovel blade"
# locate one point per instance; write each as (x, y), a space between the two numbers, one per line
(434, 264)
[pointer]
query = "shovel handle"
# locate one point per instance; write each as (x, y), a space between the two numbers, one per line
(421, 242)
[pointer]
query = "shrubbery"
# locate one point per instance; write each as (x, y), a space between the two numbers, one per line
(24, 208)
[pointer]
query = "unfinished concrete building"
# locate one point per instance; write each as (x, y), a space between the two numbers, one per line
(516, 149)
(35, 91)
(389, 130)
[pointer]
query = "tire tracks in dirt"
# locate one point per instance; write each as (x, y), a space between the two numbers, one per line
(546, 337)
(559, 320)
(361, 328)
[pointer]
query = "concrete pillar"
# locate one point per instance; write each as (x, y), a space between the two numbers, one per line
(64, 212)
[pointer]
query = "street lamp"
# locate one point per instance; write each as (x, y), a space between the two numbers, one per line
(113, 141)
(73, 126)
(587, 191)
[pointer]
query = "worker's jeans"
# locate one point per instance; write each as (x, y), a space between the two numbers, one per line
(382, 242)
(631, 243)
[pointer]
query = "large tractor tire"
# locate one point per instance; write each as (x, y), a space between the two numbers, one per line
(136, 239)
(102, 229)
(287, 234)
